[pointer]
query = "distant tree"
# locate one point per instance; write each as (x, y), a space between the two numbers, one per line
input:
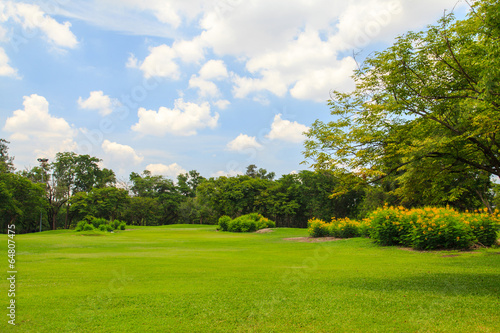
(160, 188)
(6, 162)
(187, 183)
(260, 173)
(106, 203)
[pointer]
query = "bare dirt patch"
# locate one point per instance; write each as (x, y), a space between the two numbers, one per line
(312, 239)
(451, 255)
(264, 231)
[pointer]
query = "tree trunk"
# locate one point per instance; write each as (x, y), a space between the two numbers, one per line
(484, 201)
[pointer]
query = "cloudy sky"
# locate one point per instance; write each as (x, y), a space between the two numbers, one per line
(176, 85)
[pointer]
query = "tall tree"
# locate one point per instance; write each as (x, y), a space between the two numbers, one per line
(428, 105)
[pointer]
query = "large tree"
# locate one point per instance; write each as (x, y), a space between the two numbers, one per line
(426, 110)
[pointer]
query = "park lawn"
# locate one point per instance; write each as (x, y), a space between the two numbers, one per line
(187, 278)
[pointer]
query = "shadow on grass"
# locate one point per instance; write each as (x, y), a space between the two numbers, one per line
(445, 284)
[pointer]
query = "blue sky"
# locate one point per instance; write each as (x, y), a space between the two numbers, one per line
(172, 86)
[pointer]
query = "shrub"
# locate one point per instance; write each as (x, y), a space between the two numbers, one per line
(318, 228)
(245, 223)
(484, 228)
(234, 226)
(223, 222)
(80, 225)
(106, 227)
(385, 226)
(346, 228)
(122, 226)
(432, 228)
(88, 227)
(98, 221)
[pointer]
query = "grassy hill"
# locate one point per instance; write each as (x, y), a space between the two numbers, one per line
(186, 278)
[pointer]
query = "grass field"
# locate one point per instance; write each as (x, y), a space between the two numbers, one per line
(193, 279)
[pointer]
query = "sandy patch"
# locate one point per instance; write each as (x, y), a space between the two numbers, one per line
(312, 239)
(264, 231)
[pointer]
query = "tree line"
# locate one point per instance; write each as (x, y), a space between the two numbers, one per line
(74, 187)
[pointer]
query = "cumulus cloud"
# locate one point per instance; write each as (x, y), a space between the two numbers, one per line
(184, 119)
(123, 154)
(243, 142)
(206, 88)
(222, 104)
(214, 69)
(32, 17)
(162, 59)
(5, 68)
(286, 130)
(46, 134)
(170, 171)
(98, 101)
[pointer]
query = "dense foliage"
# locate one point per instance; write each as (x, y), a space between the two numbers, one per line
(424, 115)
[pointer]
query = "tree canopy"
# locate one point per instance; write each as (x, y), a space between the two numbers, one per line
(424, 111)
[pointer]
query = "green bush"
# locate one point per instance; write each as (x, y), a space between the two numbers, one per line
(88, 227)
(223, 222)
(234, 226)
(98, 221)
(245, 223)
(80, 225)
(106, 227)
(122, 226)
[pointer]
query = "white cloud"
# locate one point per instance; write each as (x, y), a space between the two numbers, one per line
(98, 101)
(132, 62)
(211, 70)
(123, 154)
(170, 171)
(214, 69)
(185, 119)
(243, 142)
(222, 104)
(286, 130)
(161, 61)
(228, 173)
(206, 88)
(33, 17)
(45, 133)
(5, 68)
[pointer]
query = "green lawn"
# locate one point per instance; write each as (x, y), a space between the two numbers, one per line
(193, 279)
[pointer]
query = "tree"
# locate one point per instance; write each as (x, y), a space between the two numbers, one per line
(107, 202)
(21, 202)
(160, 188)
(260, 173)
(6, 162)
(426, 109)
(187, 183)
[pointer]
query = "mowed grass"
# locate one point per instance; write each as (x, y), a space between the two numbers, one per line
(193, 279)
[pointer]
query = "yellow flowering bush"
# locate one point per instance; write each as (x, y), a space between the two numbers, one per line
(340, 228)
(433, 228)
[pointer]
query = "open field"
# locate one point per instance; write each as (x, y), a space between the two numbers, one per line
(185, 278)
